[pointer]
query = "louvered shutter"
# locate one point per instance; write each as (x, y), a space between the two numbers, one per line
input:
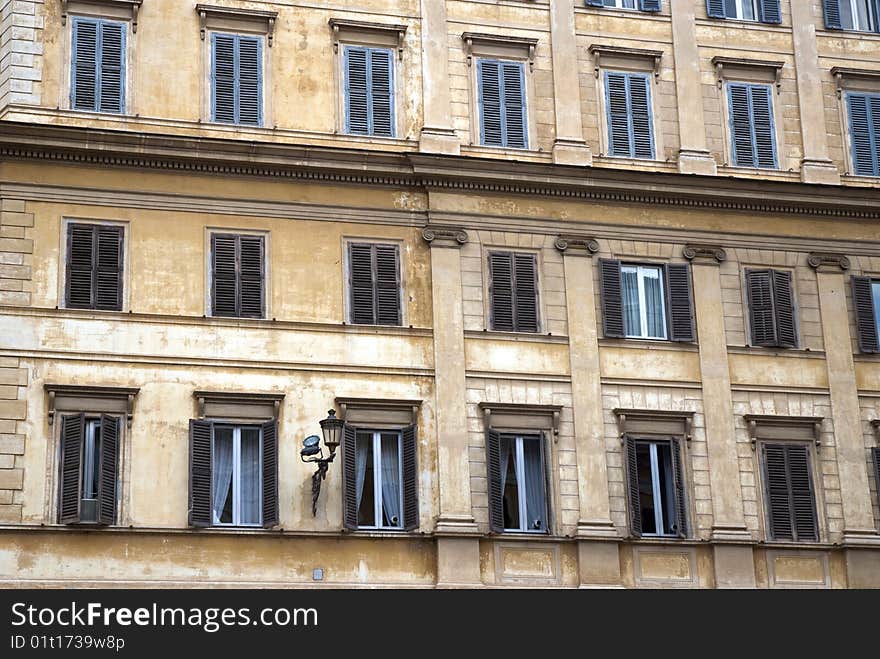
(357, 112)
(223, 78)
(762, 320)
(361, 289)
(679, 297)
(595, 3)
(84, 78)
(783, 303)
(387, 284)
(112, 71)
(80, 286)
(832, 14)
(250, 81)
(779, 506)
(515, 129)
(72, 433)
(640, 116)
(715, 9)
(501, 291)
(224, 279)
(109, 270)
(410, 479)
(741, 126)
(635, 499)
(252, 273)
(270, 473)
(802, 497)
(617, 112)
(525, 293)
(769, 11)
(864, 129)
(650, 5)
(488, 82)
(201, 468)
(381, 92)
(612, 300)
(679, 490)
(866, 314)
(762, 123)
(493, 474)
(875, 458)
(108, 466)
(349, 477)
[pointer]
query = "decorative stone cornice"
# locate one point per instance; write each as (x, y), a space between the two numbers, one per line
(582, 245)
(129, 7)
(600, 51)
(825, 262)
(525, 44)
(845, 75)
(713, 254)
(266, 19)
(776, 427)
(341, 27)
(81, 397)
(444, 236)
(775, 67)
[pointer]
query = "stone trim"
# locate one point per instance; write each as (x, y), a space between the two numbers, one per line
(711, 254)
(230, 404)
(738, 64)
(826, 262)
(79, 398)
(212, 16)
(478, 43)
(585, 246)
(118, 8)
(378, 412)
(504, 415)
(604, 57)
(844, 77)
(784, 428)
(444, 236)
(659, 422)
(344, 29)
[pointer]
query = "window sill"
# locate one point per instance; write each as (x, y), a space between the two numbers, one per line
(849, 34)
(743, 24)
(855, 179)
(650, 344)
(777, 352)
(381, 533)
(624, 13)
(526, 337)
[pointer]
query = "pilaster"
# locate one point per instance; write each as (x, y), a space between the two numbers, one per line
(21, 51)
(437, 135)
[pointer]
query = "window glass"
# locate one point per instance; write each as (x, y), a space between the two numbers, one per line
(91, 459)
(743, 9)
(378, 480)
(644, 311)
(856, 15)
(656, 488)
(237, 478)
(621, 4)
(523, 484)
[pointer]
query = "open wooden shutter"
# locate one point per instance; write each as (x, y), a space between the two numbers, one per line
(516, 130)
(410, 479)
(762, 318)
(224, 278)
(802, 496)
(864, 130)
(640, 116)
(109, 270)
(270, 473)
(72, 432)
(715, 9)
(632, 487)
(381, 92)
(349, 477)
(679, 491)
(680, 301)
(252, 275)
(779, 508)
(612, 300)
(84, 84)
(769, 11)
(618, 115)
(357, 106)
(223, 78)
(250, 81)
(387, 285)
(489, 85)
(650, 5)
(109, 468)
(201, 469)
(783, 303)
(742, 138)
(79, 293)
(525, 293)
(762, 125)
(360, 284)
(493, 475)
(875, 458)
(112, 63)
(832, 14)
(501, 291)
(866, 314)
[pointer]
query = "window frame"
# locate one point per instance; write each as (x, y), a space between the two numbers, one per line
(655, 486)
(64, 256)
(815, 482)
(209, 270)
(853, 8)
(347, 242)
(745, 269)
(776, 132)
(345, 47)
(67, 73)
(488, 311)
(502, 54)
(643, 316)
(604, 109)
(376, 439)
(480, 116)
(519, 438)
(739, 8)
(266, 95)
(847, 124)
(235, 483)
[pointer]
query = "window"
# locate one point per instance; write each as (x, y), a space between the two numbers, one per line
(771, 308)
(643, 5)
(380, 479)
(875, 458)
(658, 505)
(766, 11)
(866, 300)
(369, 91)
(502, 101)
(628, 111)
(788, 486)
(513, 291)
(238, 275)
(233, 474)
(94, 267)
(236, 79)
(517, 482)
(647, 301)
(858, 15)
(752, 128)
(374, 284)
(98, 66)
(864, 126)
(88, 475)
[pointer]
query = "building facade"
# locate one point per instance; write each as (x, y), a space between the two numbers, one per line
(593, 284)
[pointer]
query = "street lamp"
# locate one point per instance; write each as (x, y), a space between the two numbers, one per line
(331, 428)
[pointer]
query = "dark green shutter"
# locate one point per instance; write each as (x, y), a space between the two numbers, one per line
(802, 497)
(640, 115)
(866, 314)
(493, 475)
(833, 19)
(762, 123)
(387, 291)
(109, 467)
(112, 63)
(201, 469)
(410, 479)
(489, 84)
(501, 292)
(635, 500)
(349, 477)
(769, 11)
(680, 302)
(72, 433)
(777, 487)
(270, 473)
(759, 287)
(783, 303)
(362, 292)
(612, 300)
(525, 267)
(238, 275)
(80, 280)
(224, 277)
(251, 276)
(679, 490)
(741, 126)
(109, 268)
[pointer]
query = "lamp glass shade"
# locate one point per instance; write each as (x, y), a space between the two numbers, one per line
(331, 427)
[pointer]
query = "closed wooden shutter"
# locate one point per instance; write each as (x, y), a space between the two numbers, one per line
(501, 291)
(357, 105)
(374, 284)
(238, 275)
(640, 116)
(617, 112)
(224, 275)
(493, 476)
(789, 485)
(762, 318)
(387, 284)
(349, 477)
(112, 67)
(832, 14)
(783, 303)
(715, 9)
(762, 122)
(875, 458)
(109, 268)
(80, 280)
(84, 89)
(769, 11)
(270, 473)
(632, 481)
(502, 100)
(201, 469)
(612, 301)
(410, 479)
(742, 138)
(679, 490)
(489, 87)
(513, 84)
(250, 81)
(864, 130)
(109, 468)
(650, 5)
(381, 92)
(525, 267)
(752, 126)
(360, 285)
(866, 314)
(223, 77)
(680, 300)
(251, 276)
(72, 433)
(802, 496)
(236, 76)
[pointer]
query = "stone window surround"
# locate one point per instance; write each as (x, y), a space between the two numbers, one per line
(346, 271)
(62, 261)
(744, 293)
(124, 10)
(654, 423)
(267, 267)
(226, 19)
(239, 407)
(856, 80)
(378, 413)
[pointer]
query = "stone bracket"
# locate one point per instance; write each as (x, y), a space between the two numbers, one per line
(582, 245)
(713, 254)
(78, 398)
(822, 260)
(842, 74)
(381, 408)
(247, 15)
(784, 428)
(520, 43)
(126, 5)
(250, 401)
(741, 63)
(437, 236)
(626, 416)
(875, 426)
(340, 26)
(598, 51)
(550, 412)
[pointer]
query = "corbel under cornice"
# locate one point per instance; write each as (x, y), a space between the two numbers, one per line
(598, 50)
(340, 25)
(253, 15)
(131, 5)
(720, 62)
(527, 45)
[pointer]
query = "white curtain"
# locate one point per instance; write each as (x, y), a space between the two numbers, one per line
(391, 479)
(250, 476)
(534, 477)
(654, 304)
(363, 445)
(222, 471)
(629, 284)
